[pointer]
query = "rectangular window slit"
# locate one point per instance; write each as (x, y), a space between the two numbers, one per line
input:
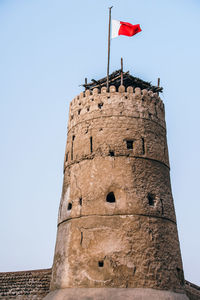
(143, 146)
(91, 145)
(72, 149)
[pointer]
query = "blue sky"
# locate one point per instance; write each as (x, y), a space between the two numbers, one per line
(47, 48)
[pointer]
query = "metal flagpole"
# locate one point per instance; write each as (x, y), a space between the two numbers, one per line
(109, 47)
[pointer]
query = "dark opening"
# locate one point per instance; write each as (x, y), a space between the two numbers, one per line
(69, 206)
(88, 108)
(101, 263)
(110, 197)
(72, 149)
(162, 206)
(80, 201)
(180, 276)
(151, 199)
(91, 145)
(129, 144)
(111, 153)
(79, 111)
(66, 159)
(100, 105)
(81, 238)
(143, 146)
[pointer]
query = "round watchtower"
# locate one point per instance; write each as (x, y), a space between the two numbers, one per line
(116, 224)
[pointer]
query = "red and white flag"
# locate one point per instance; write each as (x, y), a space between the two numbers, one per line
(124, 28)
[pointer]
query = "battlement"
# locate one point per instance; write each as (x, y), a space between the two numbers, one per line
(132, 102)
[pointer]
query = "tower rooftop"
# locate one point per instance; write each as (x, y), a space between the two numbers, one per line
(128, 80)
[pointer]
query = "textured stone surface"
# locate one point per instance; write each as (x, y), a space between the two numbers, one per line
(127, 246)
(113, 294)
(23, 285)
(30, 285)
(117, 144)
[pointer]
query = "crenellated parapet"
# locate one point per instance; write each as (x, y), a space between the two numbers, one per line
(135, 103)
(127, 122)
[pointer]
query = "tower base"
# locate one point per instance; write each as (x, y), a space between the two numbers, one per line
(113, 294)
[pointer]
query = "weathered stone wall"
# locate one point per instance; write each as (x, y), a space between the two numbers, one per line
(116, 224)
(25, 285)
(34, 285)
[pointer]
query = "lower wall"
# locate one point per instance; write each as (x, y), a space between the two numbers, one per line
(34, 285)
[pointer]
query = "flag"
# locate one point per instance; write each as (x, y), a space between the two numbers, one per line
(124, 28)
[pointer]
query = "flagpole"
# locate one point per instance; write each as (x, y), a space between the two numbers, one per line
(108, 65)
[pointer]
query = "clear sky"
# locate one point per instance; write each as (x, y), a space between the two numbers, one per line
(47, 48)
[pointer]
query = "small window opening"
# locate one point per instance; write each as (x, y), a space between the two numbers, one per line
(110, 197)
(72, 148)
(111, 153)
(79, 111)
(69, 206)
(143, 146)
(129, 144)
(66, 159)
(81, 237)
(101, 263)
(91, 145)
(151, 199)
(100, 105)
(92, 99)
(88, 108)
(80, 201)
(162, 206)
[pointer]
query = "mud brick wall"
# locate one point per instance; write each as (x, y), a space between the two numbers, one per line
(117, 224)
(34, 285)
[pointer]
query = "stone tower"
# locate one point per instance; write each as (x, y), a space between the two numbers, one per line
(117, 224)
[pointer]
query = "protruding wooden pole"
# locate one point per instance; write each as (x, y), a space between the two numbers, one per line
(158, 84)
(109, 47)
(121, 71)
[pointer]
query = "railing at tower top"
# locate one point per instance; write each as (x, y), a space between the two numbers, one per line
(128, 80)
